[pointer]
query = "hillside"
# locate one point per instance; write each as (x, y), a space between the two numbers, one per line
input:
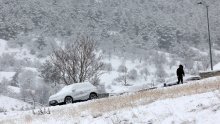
(194, 102)
(20, 66)
(123, 47)
(8, 104)
(118, 25)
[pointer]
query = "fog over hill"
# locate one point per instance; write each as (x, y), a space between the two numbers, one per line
(140, 24)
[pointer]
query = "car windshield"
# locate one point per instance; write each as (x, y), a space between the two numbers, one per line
(65, 89)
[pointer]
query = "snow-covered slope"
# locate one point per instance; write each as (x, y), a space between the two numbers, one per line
(196, 102)
(217, 67)
(11, 104)
(6, 75)
(197, 109)
(19, 53)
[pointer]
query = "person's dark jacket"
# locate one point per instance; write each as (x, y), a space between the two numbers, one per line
(180, 71)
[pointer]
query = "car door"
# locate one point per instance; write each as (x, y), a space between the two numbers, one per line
(81, 93)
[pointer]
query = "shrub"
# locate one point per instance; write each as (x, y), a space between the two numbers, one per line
(2, 109)
(122, 78)
(144, 72)
(122, 68)
(132, 74)
(6, 60)
(107, 67)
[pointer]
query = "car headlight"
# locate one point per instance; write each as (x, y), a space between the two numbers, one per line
(53, 102)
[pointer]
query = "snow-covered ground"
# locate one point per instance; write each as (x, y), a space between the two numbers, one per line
(195, 109)
(6, 75)
(217, 67)
(10, 104)
(197, 102)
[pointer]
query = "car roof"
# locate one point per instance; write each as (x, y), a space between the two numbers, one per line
(75, 86)
(82, 84)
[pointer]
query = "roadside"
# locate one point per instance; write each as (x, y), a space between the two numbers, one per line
(114, 103)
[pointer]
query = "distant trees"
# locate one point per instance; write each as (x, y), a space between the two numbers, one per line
(164, 21)
(3, 86)
(133, 74)
(6, 61)
(75, 63)
(27, 80)
(122, 68)
(144, 72)
(107, 67)
(32, 88)
(166, 36)
(123, 77)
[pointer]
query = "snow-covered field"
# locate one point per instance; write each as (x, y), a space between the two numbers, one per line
(8, 104)
(195, 102)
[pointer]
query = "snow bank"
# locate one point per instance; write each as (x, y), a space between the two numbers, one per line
(217, 67)
(11, 104)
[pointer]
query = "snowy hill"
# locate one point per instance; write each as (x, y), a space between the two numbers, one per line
(142, 43)
(195, 102)
(141, 73)
(6, 75)
(10, 104)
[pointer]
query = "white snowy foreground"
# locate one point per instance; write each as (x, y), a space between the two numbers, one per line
(193, 103)
(196, 109)
(11, 104)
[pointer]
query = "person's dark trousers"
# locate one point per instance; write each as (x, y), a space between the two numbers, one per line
(180, 79)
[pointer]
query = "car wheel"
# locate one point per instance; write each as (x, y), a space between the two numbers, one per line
(68, 100)
(93, 96)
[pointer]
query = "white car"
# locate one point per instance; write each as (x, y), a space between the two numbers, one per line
(74, 92)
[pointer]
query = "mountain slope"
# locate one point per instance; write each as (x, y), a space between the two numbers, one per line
(12, 104)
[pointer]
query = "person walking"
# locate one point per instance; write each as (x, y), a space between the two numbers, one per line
(180, 73)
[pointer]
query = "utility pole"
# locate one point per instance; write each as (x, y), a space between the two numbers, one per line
(209, 35)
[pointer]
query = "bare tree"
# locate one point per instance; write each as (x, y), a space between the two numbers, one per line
(124, 76)
(75, 62)
(50, 73)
